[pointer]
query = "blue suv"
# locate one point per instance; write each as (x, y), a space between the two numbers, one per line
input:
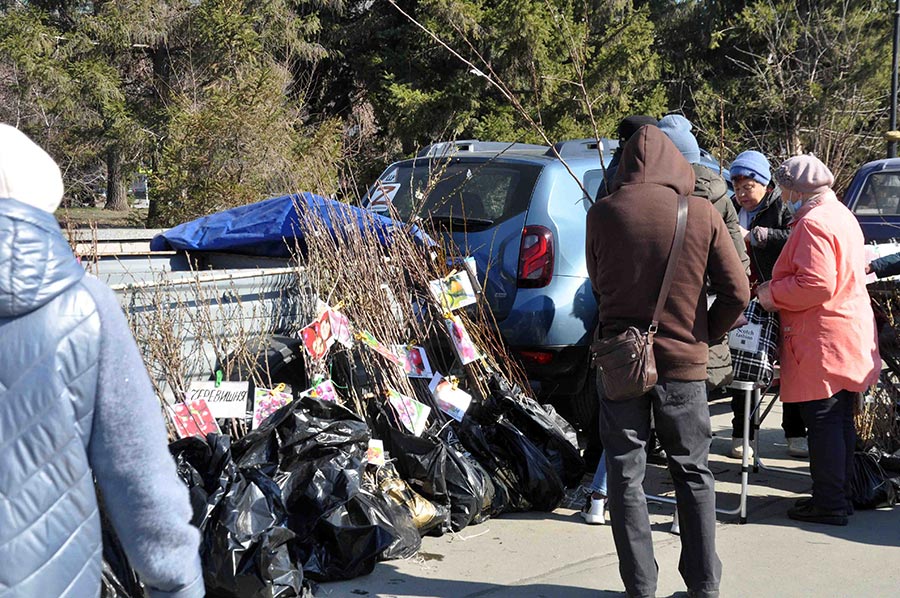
(517, 209)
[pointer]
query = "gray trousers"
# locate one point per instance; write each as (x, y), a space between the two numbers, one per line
(681, 415)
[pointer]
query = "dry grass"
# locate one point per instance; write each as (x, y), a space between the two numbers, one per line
(101, 218)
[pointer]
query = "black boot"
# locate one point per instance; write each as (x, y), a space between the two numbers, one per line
(813, 514)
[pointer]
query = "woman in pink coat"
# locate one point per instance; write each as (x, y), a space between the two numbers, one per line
(829, 351)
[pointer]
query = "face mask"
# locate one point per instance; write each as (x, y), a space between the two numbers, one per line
(794, 206)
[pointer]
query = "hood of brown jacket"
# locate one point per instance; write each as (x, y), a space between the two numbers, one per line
(651, 157)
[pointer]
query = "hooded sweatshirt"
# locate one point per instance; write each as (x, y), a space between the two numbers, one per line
(629, 237)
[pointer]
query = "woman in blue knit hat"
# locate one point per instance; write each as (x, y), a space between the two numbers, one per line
(764, 223)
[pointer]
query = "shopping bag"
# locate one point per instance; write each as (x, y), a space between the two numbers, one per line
(754, 346)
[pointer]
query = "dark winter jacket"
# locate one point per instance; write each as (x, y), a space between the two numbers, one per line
(709, 184)
(886, 266)
(766, 247)
(76, 404)
(628, 240)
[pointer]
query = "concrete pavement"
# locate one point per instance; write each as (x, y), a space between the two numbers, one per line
(557, 555)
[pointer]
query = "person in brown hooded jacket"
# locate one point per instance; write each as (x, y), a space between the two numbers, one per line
(629, 237)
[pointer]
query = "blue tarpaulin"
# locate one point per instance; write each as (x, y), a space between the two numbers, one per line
(270, 227)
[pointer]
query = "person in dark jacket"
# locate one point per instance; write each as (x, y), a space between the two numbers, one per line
(76, 404)
(593, 511)
(627, 127)
(885, 267)
(628, 240)
(764, 221)
(710, 185)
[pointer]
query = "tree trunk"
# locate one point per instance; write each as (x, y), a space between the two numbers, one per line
(116, 192)
(162, 70)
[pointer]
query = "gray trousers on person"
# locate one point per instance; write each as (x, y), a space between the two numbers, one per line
(681, 415)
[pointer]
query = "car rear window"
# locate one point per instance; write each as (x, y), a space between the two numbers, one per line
(880, 195)
(478, 190)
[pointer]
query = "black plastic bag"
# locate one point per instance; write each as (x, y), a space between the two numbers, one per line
(207, 469)
(347, 541)
(507, 496)
(301, 431)
(245, 546)
(465, 488)
(111, 587)
(422, 463)
(473, 481)
(516, 465)
(425, 514)
(407, 539)
(890, 463)
(870, 486)
(316, 450)
(538, 480)
(546, 430)
(441, 474)
(244, 543)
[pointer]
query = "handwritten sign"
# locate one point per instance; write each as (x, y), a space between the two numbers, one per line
(228, 400)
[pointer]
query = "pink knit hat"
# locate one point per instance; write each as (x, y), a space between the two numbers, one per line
(804, 174)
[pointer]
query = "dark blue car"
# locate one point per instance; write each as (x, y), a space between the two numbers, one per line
(874, 198)
(517, 209)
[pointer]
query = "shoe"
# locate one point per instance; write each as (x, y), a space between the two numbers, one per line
(800, 502)
(657, 454)
(593, 511)
(737, 449)
(658, 457)
(798, 447)
(813, 514)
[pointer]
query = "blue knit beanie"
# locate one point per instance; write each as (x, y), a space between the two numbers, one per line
(751, 164)
(678, 128)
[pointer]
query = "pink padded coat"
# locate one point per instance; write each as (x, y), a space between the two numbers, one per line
(829, 342)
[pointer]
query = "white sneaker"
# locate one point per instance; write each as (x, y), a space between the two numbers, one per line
(737, 449)
(798, 447)
(593, 511)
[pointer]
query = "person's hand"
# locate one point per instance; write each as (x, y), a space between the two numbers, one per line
(868, 268)
(764, 295)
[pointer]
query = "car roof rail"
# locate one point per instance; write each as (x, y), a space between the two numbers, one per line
(448, 148)
(583, 148)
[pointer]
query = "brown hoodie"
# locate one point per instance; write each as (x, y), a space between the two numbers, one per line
(629, 236)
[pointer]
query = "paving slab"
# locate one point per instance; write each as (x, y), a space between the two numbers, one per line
(557, 555)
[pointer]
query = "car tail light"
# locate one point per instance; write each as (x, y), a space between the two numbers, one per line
(535, 258)
(536, 357)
